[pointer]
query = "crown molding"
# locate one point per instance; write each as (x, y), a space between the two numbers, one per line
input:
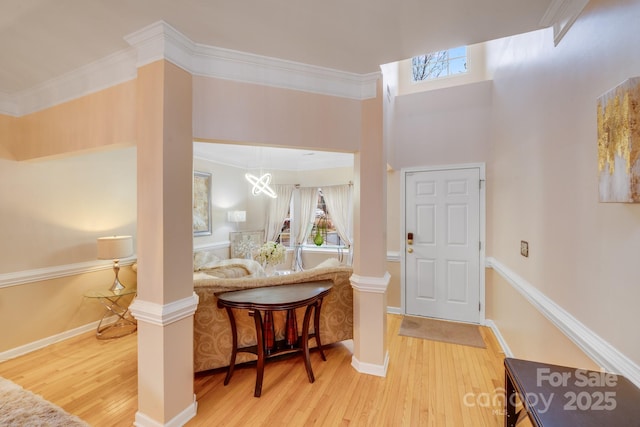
(161, 41)
(561, 14)
(9, 105)
(246, 67)
(106, 72)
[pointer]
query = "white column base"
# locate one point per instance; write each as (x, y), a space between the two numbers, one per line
(179, 420)
(371, 355)
(369, 368)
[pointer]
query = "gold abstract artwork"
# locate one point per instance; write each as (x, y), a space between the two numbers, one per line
(619, 143)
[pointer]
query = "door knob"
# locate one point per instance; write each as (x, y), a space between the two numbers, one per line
(410, 250)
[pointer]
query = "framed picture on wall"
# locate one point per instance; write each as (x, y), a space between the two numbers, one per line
(201, 204)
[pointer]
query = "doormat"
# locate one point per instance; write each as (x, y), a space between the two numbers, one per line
(442, 330)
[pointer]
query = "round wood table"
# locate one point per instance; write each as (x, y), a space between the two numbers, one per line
(277, 298)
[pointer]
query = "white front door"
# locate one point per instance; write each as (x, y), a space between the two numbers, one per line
(442, 260)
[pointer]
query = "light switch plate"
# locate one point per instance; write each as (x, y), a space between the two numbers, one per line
(524, 248)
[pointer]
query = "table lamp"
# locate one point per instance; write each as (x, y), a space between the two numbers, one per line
(114, 248)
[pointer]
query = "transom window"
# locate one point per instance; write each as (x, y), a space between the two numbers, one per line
(439, 64)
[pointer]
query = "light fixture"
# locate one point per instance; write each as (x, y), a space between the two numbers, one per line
(237, 216)
(261, 185)
(114, 248)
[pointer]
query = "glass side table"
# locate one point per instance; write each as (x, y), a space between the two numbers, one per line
(125, 324)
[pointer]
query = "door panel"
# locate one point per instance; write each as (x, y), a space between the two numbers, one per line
(442, 277)
(427, 279)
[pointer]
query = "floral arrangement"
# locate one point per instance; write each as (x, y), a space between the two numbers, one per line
(271, 253)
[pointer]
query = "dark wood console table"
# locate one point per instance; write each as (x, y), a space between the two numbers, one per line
(277, 298)
(559, 396)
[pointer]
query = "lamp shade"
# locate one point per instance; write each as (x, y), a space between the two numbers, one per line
(115, 247)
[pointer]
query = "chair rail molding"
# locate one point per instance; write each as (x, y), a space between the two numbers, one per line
(50, 273)
(594, 346)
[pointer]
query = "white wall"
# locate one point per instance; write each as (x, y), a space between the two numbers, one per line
(542, 179)
(231, 191)
(443, 126)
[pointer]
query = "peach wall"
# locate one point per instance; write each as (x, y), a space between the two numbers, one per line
(53, 210)
(243, 112)
(101, 119)
(394, 290)
(165, 165)
(82, 187)
(9, 136)
(370, 190)
(165, 239)
(542, 179)
(42, 309)
(528, 333)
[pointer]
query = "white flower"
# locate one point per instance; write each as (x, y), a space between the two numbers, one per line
(271, 253)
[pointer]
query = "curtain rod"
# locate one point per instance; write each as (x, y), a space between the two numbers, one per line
(320, 186)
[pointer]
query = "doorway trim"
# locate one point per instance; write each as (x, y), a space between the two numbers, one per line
(482, 218)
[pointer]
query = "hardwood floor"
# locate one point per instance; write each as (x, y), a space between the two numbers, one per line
(428, 384)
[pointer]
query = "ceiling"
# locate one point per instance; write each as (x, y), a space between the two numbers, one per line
(270, 158)
(44, 39)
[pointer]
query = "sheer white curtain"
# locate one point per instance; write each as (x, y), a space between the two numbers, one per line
(277, 211)
(304, 221)
(308, 198)
(340, 208)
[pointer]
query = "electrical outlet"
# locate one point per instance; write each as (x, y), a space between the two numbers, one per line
(524, 248)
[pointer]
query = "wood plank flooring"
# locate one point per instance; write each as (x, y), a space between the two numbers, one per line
(427, 384)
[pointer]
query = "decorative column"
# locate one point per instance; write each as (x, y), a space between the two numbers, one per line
(370, 278)
(166, 302)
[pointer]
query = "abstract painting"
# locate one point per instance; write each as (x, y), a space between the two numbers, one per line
(619, 143)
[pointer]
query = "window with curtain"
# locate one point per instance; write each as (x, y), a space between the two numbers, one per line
(324, 217)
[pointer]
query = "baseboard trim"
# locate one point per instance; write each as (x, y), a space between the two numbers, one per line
(599, 350)
(370, 368)
(394, 310)
(496, 332)
(179, 420)
(44, 342)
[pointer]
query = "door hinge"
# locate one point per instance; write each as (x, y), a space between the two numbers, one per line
(479, 245)
(480, 184)
(479, 306)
